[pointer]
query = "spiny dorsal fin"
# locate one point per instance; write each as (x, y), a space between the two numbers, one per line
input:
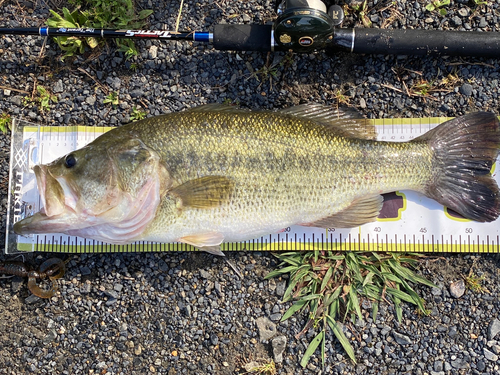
(360, 212)
(347, 121)
(214, 107)
(205, 192)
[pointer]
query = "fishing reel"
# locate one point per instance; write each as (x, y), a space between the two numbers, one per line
(305, 25)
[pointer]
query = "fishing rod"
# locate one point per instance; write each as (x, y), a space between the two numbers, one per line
(305, 26)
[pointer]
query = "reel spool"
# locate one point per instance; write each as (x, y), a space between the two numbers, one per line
(306, 25)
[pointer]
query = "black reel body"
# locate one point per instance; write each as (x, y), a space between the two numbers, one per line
(305, 25)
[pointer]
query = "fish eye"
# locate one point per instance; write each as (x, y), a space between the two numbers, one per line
(70, 161)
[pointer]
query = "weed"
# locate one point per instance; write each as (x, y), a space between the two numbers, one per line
(112, 98)
(137, 114)
(341, 97)
(101, 14)
(69, 44)
(438, 5)
(5, 122)
(27, 101)
(450, 80)
(134, 66)
(362, 10)
(473, 282)
(329, 285)
(264, 368)
(422, 88)
(270, 70)
(394, 14)
(45, 98)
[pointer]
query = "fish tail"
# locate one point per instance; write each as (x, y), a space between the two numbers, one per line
(464, 150)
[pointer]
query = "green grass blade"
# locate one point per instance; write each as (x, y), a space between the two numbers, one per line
(280, 272)
(313, 345)
(353, 296)
(400, 295)
(297, 306)
(326, 278)
(344, 341)
(374, 310)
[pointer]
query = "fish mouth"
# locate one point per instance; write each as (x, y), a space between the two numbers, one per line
(51, 192)
(40, 223)
(58, 201)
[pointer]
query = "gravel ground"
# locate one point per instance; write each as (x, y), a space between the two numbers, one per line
(189, 313)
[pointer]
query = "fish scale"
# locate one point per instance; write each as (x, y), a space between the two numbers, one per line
(262, 147)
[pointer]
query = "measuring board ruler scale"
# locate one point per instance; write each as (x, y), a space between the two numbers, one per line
(408, 220)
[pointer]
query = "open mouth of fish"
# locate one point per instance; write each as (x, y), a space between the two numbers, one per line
(59, 204)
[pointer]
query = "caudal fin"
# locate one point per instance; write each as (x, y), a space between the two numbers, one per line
(465, 149)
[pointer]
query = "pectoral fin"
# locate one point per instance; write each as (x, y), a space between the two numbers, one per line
(360, 212)
(205, 192)
(209, 242)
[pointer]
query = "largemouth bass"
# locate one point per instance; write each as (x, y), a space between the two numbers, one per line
(217, 174)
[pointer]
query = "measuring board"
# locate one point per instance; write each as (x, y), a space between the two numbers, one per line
(408, 221)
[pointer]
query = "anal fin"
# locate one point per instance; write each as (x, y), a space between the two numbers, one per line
(359, 212)
(209, 242)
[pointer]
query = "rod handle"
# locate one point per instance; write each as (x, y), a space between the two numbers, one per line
(418, 42)
(243, 37)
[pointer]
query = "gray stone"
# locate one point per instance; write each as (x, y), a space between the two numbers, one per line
(214, 339)
(111, 293)
(280, 288)
(457, 21)
(490, 356)
(279, 345)
(90, 100)
(58, 87)
(493, 329)
(267, 329)
(204, 274)
(457, 288)
(118, 287)
(481, 365)
(49, 337)
(275, 317)
(402, 339)
(31, 299)
(438, 366)
(85, 271)
(17, 283)
(459, 364)
(153, 52)
(453, 331)
(437, 291)
(466, 89)
(137, 93)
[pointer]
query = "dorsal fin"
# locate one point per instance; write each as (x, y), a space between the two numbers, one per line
(214, 107)
(346, 121)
